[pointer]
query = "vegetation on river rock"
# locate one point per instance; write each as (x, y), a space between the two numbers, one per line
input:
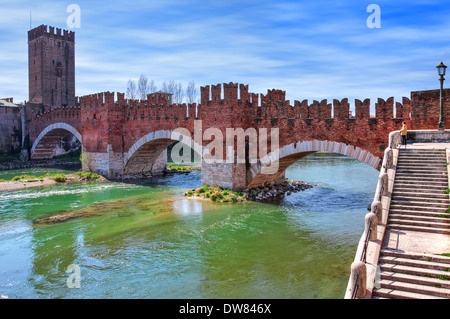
(271, 192)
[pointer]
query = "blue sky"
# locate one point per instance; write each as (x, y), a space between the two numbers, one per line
(311, 49)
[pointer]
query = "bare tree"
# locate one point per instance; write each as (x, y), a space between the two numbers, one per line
(169, 87)
(142, 87)
(152, 87)
(191, 92)
(179, 93)
(131, 89)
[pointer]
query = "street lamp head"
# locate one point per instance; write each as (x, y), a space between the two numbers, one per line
(441, 69)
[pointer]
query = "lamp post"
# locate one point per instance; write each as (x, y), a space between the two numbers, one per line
(441, 71)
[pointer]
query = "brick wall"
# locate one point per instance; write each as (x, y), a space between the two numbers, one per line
(10, 128)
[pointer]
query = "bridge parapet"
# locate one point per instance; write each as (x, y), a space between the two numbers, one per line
(274, 104)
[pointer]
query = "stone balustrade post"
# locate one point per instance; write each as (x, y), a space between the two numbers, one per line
(388, 154)
(371, 223)
(377, 209)
(358, 279)
(383, 180)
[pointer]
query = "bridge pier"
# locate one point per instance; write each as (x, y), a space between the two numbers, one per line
(112, 165)
(225, 175)
(236, 176)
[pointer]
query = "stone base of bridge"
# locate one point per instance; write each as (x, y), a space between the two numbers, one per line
(237, 177)
(111, 165)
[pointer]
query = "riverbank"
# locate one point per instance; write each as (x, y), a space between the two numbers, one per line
(172, 168)
(30, 181)
(18, 164)
(267, 193)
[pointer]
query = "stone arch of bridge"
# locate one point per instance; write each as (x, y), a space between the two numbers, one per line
(147, 155)
(271, 169)
(50, 138)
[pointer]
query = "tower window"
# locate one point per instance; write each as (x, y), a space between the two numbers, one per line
(59, 44)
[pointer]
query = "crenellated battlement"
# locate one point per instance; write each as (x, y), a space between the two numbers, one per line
(44, 30)
(243, 105)
(61, 112)
(274, 104)
(157, 106)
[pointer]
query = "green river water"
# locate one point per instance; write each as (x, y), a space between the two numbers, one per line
(145, 240)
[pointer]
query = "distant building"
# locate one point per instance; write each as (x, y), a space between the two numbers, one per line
(51, 83)
(10, 126)
(165, 95)
(51, 66)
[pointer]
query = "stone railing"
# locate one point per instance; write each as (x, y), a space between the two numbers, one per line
(364, 266)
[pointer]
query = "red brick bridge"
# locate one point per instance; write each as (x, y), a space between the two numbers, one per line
(123, 137)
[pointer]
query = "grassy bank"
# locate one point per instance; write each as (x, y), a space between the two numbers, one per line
(181, 168)
(57, 177)
(28, 181)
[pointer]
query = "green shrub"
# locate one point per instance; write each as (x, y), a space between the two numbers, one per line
(202, 189)
(59, 178)
(23, 177)
(89, 176)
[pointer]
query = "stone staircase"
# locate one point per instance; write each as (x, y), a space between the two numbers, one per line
(418, 205)
(418, 199)
(412, 276)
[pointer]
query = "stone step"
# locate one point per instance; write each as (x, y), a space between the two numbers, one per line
(415, 288)
(440, 264)
(419, 256)
(419, 165)
(424, 157)
(417, 173)
(424, 176)
(415, 159)
(415, 271)
(410, 191)
(412, 149)
(425, 195)
(400, 227)
(432, 182)
(424, 218)
(418, 223)
(412, 187)
(418, 202)
(422, 161)
(417, 168)
(419, 213)
(418, 208)
(424, 152)
(413, 279)
(422, 167)
(399, 294)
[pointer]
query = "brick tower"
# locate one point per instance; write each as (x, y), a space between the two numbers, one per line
(51, 67)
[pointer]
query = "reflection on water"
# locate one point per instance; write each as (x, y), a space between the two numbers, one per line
(144, 240)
